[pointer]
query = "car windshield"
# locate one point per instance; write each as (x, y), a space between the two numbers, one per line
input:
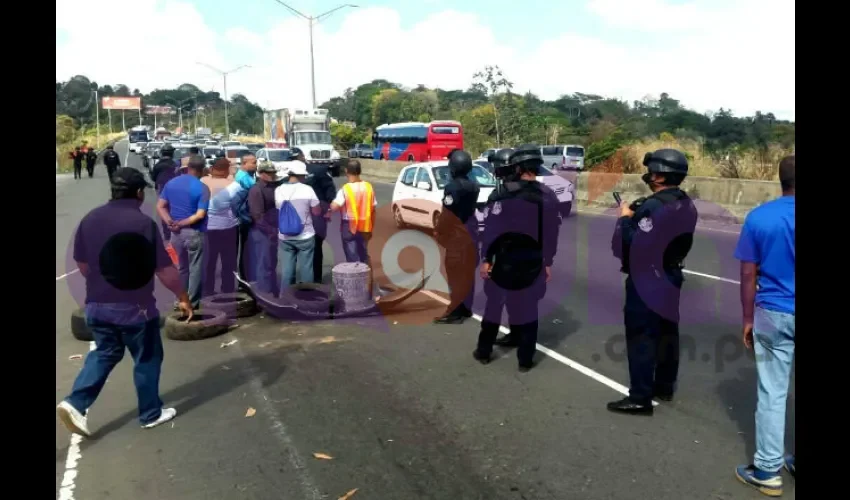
(575, 152)
(313, 137)
(210, 151)
(478, 174)
(181, 152)
(279, 155)
(238, 153)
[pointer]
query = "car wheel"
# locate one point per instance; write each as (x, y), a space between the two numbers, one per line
(382, 156)
(410, 158)
(554, 166)
(399, 221)
(566, 209)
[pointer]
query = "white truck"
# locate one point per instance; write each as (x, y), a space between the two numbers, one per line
(310, 131)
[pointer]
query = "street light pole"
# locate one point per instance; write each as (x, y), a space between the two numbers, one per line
(97, 119)
(224, 77)
(314, 20)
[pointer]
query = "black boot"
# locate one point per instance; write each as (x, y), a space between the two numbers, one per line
(450, 319)
(481, 358)
(627, 405)
(507, 341)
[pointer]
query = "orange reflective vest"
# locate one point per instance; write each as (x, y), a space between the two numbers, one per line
(358, 207)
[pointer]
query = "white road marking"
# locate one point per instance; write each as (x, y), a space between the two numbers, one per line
(66, 489)
(711, 277)
(267, 409)
(66, 274)
(556, 356)
(127, 156)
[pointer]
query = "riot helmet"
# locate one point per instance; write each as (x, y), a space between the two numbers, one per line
(671, 163)
(526, 158)
(167, 151)
(460, 163)
(499, 161)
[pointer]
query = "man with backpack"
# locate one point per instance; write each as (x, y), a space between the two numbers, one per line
(297, 204)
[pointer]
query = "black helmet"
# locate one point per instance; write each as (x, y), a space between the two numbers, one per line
(460, 163)
(666, 160)
(167, 150)
(500, 157)
(527, 155)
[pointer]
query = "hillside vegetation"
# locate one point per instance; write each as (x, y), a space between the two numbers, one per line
(615, 133)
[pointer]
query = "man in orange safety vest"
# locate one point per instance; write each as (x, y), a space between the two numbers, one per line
(357, 201)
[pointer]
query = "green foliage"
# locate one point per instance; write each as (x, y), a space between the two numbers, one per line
(346, 136)
(602, 149)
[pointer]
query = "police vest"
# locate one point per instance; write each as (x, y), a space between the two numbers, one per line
(518, 257)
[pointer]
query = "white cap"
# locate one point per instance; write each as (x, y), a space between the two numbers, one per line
(296, 167)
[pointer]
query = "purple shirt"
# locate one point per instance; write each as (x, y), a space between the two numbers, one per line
(105, 239)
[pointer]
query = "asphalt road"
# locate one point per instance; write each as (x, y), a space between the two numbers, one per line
(402, 407)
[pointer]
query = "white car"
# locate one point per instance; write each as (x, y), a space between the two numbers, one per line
(563, 188)
(418, 194)
(227, 144)
(278, 157)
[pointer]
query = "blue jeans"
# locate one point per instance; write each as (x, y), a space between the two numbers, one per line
(189, 246)
(145, 345)
(263, 261)
(296, 261)
(354, 244)
(773, 341)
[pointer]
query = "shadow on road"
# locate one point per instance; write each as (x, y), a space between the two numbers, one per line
(217, 380)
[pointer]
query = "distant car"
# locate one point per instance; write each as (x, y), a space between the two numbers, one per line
(486, 154)
(150, 154)
(563, 188)
(563, 157)
(230, 143)
(235, 154)
(418, 193)
(211, 154)
(361, 151)
(277, 156)
(255, 146)
(208, 143)
(484, 164)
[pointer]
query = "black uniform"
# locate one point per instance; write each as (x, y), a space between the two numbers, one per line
(456, 231)
(78, 157)
(112, 161)
(164, 170)
(319, 178)
(652, 246)
(519, 241)
(91, 159)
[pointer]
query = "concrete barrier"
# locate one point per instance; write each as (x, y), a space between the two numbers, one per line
(727, 200)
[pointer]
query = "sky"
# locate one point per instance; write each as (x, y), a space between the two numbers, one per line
(734, 54)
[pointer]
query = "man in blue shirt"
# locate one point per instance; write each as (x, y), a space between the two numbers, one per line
(766, 251)
(183, 205)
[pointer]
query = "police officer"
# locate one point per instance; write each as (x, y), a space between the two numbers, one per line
(652, 238)
(91, 159)
(111, 160)
(164, 170)
(77, 155)
(456, 231)
(518, 248)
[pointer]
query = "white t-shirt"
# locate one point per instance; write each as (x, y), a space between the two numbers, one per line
(303, 198)
(358, 187)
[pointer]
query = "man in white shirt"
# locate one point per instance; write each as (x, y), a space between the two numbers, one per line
(295, 252)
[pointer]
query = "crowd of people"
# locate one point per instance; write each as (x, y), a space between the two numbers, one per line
(253, 220)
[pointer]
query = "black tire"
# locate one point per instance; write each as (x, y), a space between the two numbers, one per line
(566, 209)
(206, 323)
(309, 298)
(235, 305)
(398, 218)
(410, 158)
(79, 328)
(382, 156)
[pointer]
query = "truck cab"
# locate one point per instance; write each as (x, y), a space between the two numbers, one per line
(309, 130)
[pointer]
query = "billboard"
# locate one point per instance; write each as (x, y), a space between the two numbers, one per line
(122, 103)
(160, 110)
(274, 125)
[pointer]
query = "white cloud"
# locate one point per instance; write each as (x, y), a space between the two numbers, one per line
(739, 55)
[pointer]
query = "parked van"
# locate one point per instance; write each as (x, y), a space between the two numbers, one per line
(563, 156)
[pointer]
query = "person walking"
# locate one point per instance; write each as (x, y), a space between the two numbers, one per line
(297, 204)
(183, 205)
(91, 160)
(77, 156)
(118, 250)
(222, 234)
(263, 235)
(357, 198)
(766, 249)
(111, 160)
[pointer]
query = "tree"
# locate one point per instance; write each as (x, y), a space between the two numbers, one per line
(491, 82)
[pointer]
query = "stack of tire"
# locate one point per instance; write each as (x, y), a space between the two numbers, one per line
(212, 319)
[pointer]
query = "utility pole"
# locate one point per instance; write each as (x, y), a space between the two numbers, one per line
(224, 77)
(311, 20)
(97, 119)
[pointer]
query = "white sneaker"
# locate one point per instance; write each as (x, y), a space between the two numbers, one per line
(166, 415)
(73, 419)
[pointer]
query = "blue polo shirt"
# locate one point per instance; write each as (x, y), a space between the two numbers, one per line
(767, 240)
(185, 195)
(244, 179)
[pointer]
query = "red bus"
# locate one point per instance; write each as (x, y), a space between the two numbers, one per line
(417, 141)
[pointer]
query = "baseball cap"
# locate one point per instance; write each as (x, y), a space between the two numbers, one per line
(267, 167)
(296, 167)
(130, 178)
